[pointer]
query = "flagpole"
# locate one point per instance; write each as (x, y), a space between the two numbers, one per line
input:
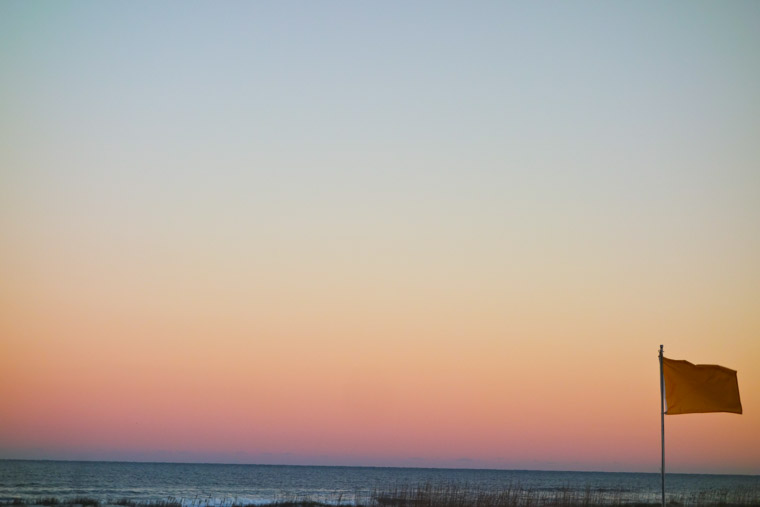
(662, 426)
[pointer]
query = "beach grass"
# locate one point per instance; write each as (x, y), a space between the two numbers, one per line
(462, 495)
(450, 495)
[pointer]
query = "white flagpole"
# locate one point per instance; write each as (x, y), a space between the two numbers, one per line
(662, 426)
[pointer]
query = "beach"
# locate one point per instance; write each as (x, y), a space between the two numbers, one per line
(109, 484)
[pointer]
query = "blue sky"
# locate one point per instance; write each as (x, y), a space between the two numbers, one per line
(442, 165)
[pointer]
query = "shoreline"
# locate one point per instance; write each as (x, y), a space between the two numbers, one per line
(428, 495)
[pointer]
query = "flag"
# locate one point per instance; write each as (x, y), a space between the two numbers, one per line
(694, 388)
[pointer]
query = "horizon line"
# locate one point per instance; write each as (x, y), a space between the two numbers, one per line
(363, 466)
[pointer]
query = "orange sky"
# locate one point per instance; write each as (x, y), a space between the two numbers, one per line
(113, 365)
(251, 235)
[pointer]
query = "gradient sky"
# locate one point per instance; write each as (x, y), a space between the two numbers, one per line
(377, 233)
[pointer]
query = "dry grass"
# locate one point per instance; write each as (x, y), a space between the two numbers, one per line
(456, 495)
(461, 495)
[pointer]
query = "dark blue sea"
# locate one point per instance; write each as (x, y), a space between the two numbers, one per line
(224, 485)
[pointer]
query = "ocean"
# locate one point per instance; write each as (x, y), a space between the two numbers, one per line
(216, 484)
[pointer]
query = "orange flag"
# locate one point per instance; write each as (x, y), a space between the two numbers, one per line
(694, 388)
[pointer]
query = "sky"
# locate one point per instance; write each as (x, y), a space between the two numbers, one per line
(447, 234)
